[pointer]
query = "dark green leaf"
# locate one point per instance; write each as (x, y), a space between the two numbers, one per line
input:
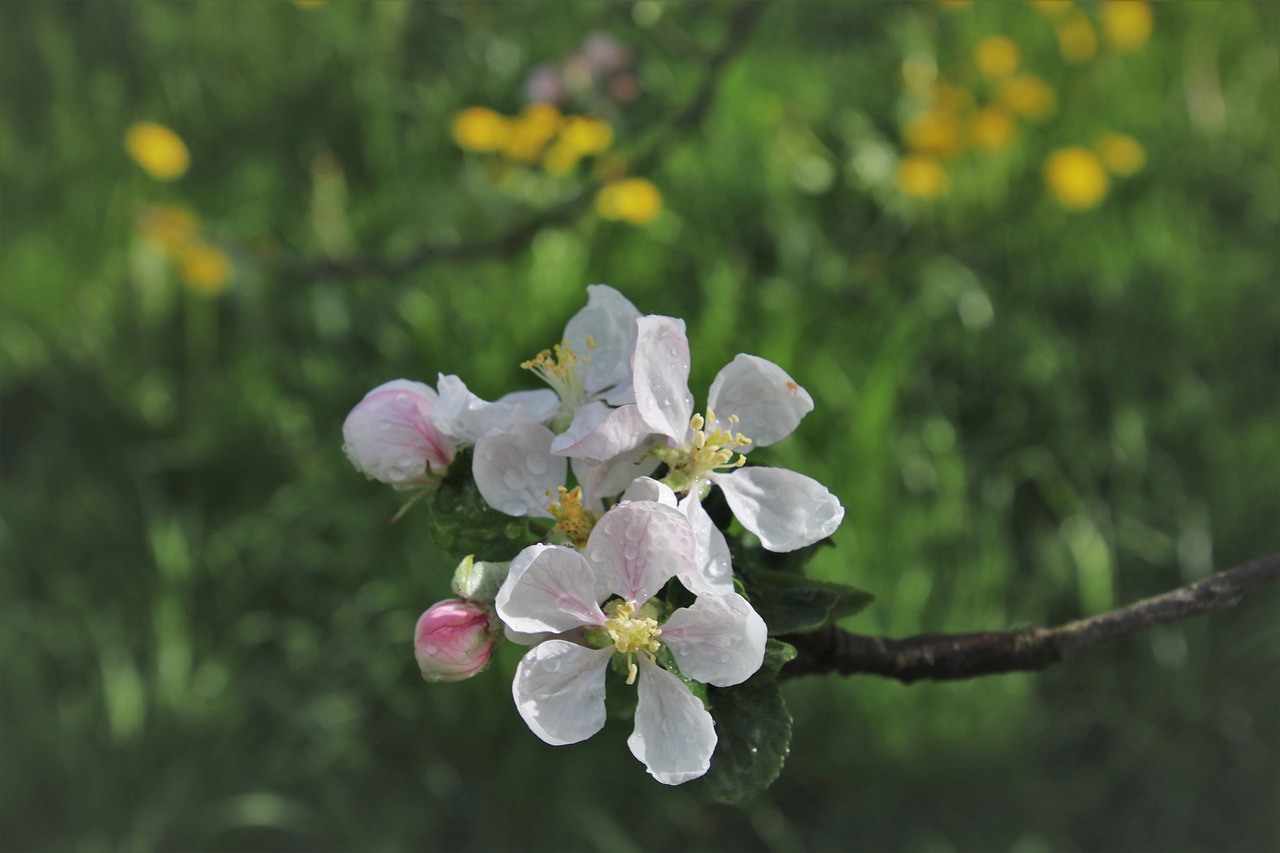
(462, 523)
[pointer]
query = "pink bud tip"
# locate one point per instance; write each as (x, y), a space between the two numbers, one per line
(453, 640)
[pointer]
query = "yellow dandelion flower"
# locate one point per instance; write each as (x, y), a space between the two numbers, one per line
(1121, 154)
(634, 200)
(158, 150)
(997, 56)
(585, 135)
(481, 129)
(1027, 95)
(205, 269)
(992, 129)
(530, 133)
(1052, 8)
(168, 227)
(560, 159)
(1076, 39)
(921, 176)
(1126, 23)
(934, 132)
(1076, 178)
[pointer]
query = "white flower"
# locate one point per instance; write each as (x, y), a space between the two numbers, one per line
(633, 551)
(391, 436)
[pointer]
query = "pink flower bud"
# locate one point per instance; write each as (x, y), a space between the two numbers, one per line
(453, 640)
(390, 437)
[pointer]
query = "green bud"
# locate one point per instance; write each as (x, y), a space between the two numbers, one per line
(477, 580)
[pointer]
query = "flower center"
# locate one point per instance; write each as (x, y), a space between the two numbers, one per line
(565, 371)
(631, 634)
(572, 518)
(703, 452)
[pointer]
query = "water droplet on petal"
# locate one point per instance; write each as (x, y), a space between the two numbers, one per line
(511, 479)
(536, 465)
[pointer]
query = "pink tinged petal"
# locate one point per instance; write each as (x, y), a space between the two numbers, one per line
(674, 735)
(768, 402)
(785, 509)
(559, 690)
(515, 471)
(466, 418)
(453, 640)
(649, 489)
(550, 588)
(609, 319)
(600, 480)
(390, 435)
(599, 433)
(714, 568)
(661, 376)
(635, 548)
(718, 640)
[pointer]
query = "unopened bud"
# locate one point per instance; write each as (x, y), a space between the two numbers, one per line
(453, 640)
(478, 581)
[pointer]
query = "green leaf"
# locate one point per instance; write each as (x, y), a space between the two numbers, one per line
(753, 729)
(462, 523)
(792, 604)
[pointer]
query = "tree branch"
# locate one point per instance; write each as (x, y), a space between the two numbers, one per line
(518, 236)
(950, 657)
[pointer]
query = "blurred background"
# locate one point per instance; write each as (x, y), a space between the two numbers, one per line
(1023, 255)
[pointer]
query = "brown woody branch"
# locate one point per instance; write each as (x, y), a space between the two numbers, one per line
(518, 236)
(950, 657)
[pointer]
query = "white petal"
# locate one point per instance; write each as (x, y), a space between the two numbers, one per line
(559, 690)
(516, 472)
(718, 640)
(674, 735)
(541, 403)
(785, 509)
(391, 435)
(769, 404)
(610, 321)
(635, 548)
(649, 489)
(549, 588)
(600, 480)
(598, 432)
(714, 567)
(465, 418)
(661, 380)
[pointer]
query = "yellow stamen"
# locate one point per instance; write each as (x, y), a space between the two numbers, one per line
(572, 519)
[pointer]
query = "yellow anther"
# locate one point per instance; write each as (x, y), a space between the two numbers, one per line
(591, 342)
(572, 519)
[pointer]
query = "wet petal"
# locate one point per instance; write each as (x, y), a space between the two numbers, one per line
(714, 568)
(661, 368)
(391, 436)
(559, 691)
(541, 403)
(466, 418)
(635, 548)
(549, 588)
(718, 640)
(649, 489)
(609, 319)
(600, 480)
(599, 433)
(674, 735)
(516, 472)
(785, 509)
(768, 403)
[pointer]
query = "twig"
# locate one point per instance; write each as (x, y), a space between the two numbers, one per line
(950, 657)
(518, 236)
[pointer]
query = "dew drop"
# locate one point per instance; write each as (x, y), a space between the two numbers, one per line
(431, 650)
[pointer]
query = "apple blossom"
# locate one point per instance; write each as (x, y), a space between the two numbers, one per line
(390, 436)
(453, 640)
(607, 591)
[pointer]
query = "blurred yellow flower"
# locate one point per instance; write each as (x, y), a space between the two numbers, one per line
(951, 98)
(1076, 178)
(481, 129)
(1126, 23)
(586, 135)
(158, 150)
(560, 159)
(922, 177)
(167, 227)
(992, 129)
(934, 132)
(634, 200)
(531, 131)
(205, 269)
(1076, 39)
(1052, 8)
(1121, 154)
(997, 56)
(1027, 95)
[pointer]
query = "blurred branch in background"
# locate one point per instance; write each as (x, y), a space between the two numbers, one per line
(952, 657)
(681, 124)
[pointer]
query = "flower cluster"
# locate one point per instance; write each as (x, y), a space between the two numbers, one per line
(612, 464)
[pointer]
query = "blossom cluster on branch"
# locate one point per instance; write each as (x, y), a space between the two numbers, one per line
(610, 526)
